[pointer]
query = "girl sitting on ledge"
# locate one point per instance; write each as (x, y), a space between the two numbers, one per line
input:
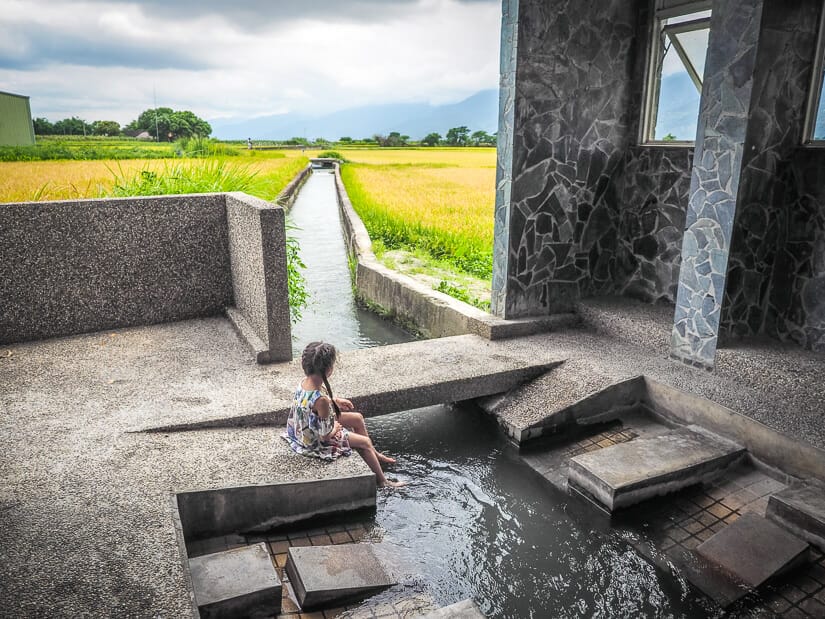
(313, 430)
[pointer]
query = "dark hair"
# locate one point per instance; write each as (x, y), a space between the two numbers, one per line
(318, 358)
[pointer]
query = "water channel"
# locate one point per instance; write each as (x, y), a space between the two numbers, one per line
(333, 314)
(474, 520)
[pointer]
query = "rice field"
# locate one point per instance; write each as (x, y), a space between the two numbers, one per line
(435, 200)
(22, 181)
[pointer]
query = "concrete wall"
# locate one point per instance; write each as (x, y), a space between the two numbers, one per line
(258, 267)
(78, 266)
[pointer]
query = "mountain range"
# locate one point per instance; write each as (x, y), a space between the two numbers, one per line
(478, 112)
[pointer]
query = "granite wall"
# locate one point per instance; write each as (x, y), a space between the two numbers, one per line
(775, 269)
(259, 279)
(573, 78)
(89, 265)
(78, 266)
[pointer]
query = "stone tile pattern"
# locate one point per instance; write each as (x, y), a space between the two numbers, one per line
(654, 192)
(717, 165)
(776, 274)
(682, 524)
(78, 266)
(504, 162)
(570, 131)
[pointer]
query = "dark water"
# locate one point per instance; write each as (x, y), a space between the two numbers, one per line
(476, 522)
(333, 315)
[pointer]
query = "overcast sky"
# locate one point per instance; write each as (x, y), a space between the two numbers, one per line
(101, 60)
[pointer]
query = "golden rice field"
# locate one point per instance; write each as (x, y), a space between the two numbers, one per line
(22, 181)
(437, 200)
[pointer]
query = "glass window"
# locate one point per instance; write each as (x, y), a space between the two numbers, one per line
(677, 65)
(815, 118)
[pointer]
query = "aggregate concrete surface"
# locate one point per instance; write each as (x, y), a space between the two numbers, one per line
(85, 515)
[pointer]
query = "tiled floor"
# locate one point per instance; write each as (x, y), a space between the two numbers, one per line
(682, 521)
(398, 604)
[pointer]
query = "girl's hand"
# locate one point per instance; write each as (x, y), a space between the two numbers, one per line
(344, 404)
(334, 433)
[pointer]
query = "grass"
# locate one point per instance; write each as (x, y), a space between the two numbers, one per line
(446, 212)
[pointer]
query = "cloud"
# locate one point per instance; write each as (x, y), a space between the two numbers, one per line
(99, 59)
(36, 46)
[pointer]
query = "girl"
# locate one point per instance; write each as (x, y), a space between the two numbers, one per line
(312, 429)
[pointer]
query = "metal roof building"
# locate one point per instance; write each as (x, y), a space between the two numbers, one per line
(16, 127)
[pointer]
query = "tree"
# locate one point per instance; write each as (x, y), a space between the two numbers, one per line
(346, 139)
(167, 124)
(458, 136)
(42, 126)
(482, 138)
(431, 139)
(72, 126)
(669, 138)
(106, 127)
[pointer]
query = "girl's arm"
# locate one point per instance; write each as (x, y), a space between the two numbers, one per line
(323, 408)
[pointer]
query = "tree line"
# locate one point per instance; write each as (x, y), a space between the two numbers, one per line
(457, 136)
(163, 124)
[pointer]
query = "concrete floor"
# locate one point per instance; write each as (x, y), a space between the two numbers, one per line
(85, 517)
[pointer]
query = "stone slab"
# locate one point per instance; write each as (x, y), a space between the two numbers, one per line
(754, 550)
(629, 473)
(465, 609)
(330, 575)
(236, 583)
(801, 509)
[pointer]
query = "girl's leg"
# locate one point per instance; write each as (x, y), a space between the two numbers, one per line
(364, 446)
(355, 422)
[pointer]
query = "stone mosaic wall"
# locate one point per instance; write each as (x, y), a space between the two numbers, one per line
(779, 221)
(654, 193)
(723, 123)
(570, 134)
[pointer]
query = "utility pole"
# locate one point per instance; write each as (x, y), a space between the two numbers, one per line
(155, 97)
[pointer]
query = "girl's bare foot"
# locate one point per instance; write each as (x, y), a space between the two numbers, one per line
(385, 459)
(388, 483)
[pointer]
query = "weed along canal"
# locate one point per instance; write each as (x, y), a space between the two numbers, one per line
(332, 314)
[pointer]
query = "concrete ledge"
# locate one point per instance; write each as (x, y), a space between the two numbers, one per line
(248, 335)
(801, 509)
(212, 513)
(767, 445)
(287, 197)
(433, 313)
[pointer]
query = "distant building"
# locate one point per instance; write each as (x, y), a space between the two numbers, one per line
(16, 127)
(144, 135)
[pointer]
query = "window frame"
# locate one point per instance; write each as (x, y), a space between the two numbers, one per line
(652, 84)
(815, 98)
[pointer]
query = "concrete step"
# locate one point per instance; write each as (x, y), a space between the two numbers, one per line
(745, 555)
(628, 473)
(466, 609)
(331, 575)
(236, 583)
(800, 508)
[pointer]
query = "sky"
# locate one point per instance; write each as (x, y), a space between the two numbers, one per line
(111, 59)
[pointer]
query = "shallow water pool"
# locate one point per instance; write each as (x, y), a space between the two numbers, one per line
(476, 522)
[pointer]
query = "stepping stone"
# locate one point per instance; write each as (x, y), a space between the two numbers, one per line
(628, 473)
(752, 551)
(329, 575)
(236, 583)
(800, 508)
(466, 609)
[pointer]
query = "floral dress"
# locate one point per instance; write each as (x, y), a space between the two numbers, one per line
(304, 428)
